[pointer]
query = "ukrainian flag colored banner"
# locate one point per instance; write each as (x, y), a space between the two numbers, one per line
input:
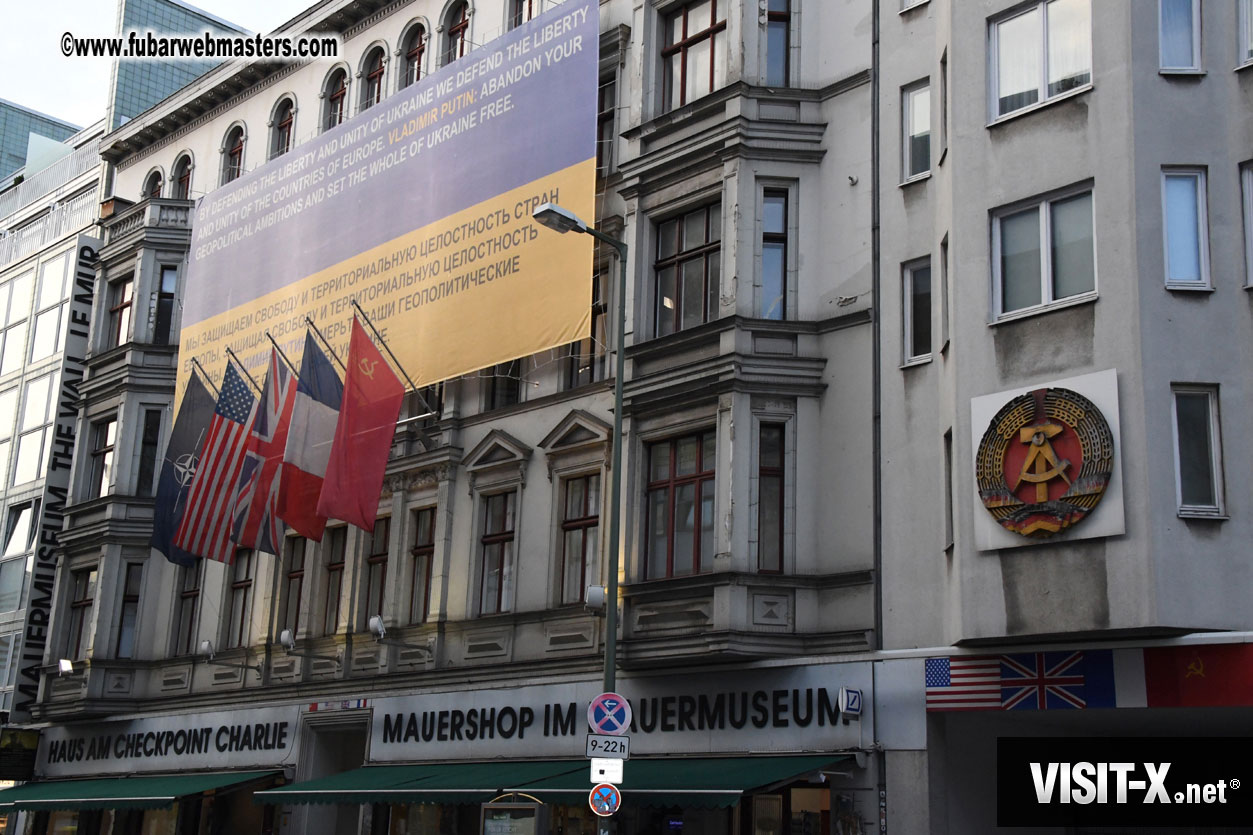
(419, 209)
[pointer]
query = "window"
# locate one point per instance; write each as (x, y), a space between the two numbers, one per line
(916, 125)
(188, 604)
(82, 595)
(335, 93)
(415, 51)
(1179, 34)
(103, 444)
(182, 178)
(1039, 53)
(773, 301)
(695, 54)
(521, 11)
(293, 583)
(1244, 33)
(687, 265)
(376, 567)
(35, 426)
(8, 422)
(580, 536)
(148, 445)
(50, 312)
(133, 576)
(1186, 228)
(916, 311)
(944, 293)
(372, 90)
(456, 25)
(422, 554)
(496, 591)
(680, 537)
(585, 361)
(948, 489)
(10, 660)
(504, 386)
(943, 105)
(233, 155)
(165, 305)
(21, 528)
(1246, 189)
(778, 37)
(606, 104)
(770, 497)
(1043, 254)
(284, 121)
(336, 548)
(1198, 451)
(121, 299)
(152, 186)
(240, 608)
(15, 302)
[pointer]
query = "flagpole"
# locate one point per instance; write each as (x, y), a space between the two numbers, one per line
(281, 354)
(427, 406)
(242, 368)
(205, 375)
(328, 345)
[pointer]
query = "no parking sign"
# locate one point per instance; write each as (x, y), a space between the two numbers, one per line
(609, 713)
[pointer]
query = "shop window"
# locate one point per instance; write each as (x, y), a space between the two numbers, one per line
(687, 269)
(284, 122)
(497, 549)
(335, 95)
(585, 359)
(336, 549)
(420, 557)
(293, 582)
(580, 536)
(182, 178)
(128, 620)
(415, 53)
(233, 155)
(695, 51)
(188, 607)
(376, 567)
(103, 447)
(680, 506)
(1041, 51)
(456, 27)
(15, 302)
(373, 69)
(82, 596)
(238, 631)
(121, 308)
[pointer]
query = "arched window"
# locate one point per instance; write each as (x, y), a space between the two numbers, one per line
(415, 51)
(336, 93)
(372, 90)
(152, 185)
(233, 154)
(281, 134)
(456, 24)
(521, 11)
(182, 178)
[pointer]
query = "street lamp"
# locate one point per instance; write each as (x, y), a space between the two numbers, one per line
(563, 220)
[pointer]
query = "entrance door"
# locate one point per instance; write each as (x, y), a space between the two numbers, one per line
(330, 745)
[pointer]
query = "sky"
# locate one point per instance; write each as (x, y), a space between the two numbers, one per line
(34, 74)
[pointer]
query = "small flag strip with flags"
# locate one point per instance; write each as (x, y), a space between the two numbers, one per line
(964, 682)
(1053, 680)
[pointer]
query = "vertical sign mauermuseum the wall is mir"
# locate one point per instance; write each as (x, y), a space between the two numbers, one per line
(419, 208)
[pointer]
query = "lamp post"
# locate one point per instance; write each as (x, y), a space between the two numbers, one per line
(563, 220)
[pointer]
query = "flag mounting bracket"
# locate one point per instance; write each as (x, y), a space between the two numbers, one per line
(288, 642)
(380, 637)
(206, 649)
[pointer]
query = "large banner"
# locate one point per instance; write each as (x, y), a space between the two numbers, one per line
(419, 208)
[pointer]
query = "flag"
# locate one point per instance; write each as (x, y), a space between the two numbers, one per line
(363, 435)
(1199, 675)
(182, 454)
(964, 682)
(256, 523)
(318, 396)
(206, 524)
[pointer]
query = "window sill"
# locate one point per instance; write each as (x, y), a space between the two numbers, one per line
(917, 178)
(913, 362)
(1212, 514)
(1247, 65)
(1190, 287)
(1184, 71)
(1023, 111)
(912, 6)
(1027, 313)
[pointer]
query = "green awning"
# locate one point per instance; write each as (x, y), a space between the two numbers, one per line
(668, 781)
(135, 792)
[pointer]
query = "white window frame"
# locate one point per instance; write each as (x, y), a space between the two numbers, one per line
(1047, 302)
(1202, 232)
(1195, 66)
(908, 92)
(1244, 34)
(1246, 193)
(994, 63)
(1215, 449)
(908, 355)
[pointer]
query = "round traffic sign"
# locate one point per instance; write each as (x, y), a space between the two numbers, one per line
(609, 713)
(605, 799)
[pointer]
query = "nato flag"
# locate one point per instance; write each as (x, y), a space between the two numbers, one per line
(182, 455)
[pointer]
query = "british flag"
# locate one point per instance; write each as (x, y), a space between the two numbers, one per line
(256, 524)
(1042, 681)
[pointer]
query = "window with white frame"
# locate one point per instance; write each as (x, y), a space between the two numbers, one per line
(916, 309)
(497, 549)
(1043, 254)
(1185, 228)
(34, 427)
(944, 293)
(1039, 52)
(1246, 190)
(1244, 33)
(915, 130)
(580, 535)
(10, 660)
(1179, 34)
(15, 303)
(19, 545)
(8, 422)
(1198, 450)
(51, 313)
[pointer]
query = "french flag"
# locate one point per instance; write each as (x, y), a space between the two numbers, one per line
(319, 394)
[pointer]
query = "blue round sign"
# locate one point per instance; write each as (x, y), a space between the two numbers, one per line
(610, 714)
(605, 799)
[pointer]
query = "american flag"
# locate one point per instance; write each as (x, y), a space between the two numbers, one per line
(256, 523)
(206, 526)
(963, 682)
(1042, 681)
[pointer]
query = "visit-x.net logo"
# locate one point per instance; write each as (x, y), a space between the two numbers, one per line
(1136, 781)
